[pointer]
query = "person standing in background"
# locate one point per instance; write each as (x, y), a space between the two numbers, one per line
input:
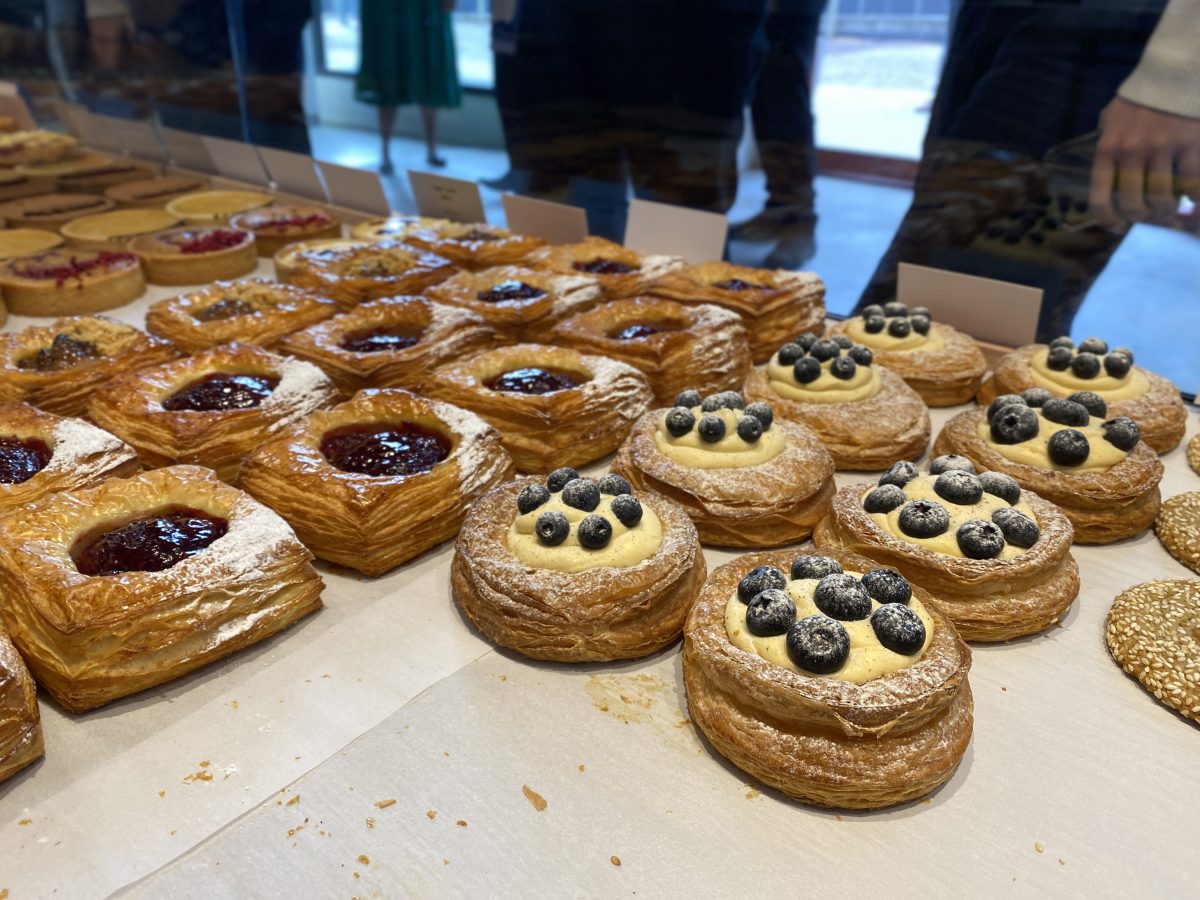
(407, 56)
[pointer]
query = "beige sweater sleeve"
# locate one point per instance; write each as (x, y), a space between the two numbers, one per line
(1168, 76)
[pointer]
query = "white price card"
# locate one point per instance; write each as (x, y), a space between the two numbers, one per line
(293, 173)
(236, 160)
(555, 223)
(997, 311)
(440, 197)
(695, 235)
(354, 188)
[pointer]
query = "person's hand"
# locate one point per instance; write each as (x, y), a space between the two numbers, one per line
(1139, 153)
(105, 36)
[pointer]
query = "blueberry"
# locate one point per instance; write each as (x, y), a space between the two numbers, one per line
(749, 429)
(862, 355)
(1068, 448)
(559, 478)
(770, 613)
(1036, 397)
(806, 340)
(920, 311)
(824, 349)
(1059, 358)
(1002, 401)
(582, 493)
(1122, 432)
(814, 567)
(1093, 345)
(843, 368)
(924, 519)
(887, 586)
(1000, 485)
(873, 310)
(1085, 365)
(899, 629)
(1117, 365)
(689, 399)
(842, 597)
(680, 421)
(531, 497)
(958, 487)
(1122, 351)
(842, 341)
(806, 370)
(874, 324)
(759, 579)
(723, 400)
(899, 328)
(594, 532)
(818, 644)
(712, 429)
(978, 539)
(895, 309)
(920, 324)
(950, 461)
(614, 485)
(789, 353)
(1063, 341)
(884, 499)
(552, 528)
(1014, 424)
(899, 474)
(1093, 403)
(1019, 530)
(627, 510)
(1065, 412)
(762, 412)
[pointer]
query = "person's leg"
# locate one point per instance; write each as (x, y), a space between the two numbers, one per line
(429, 123)
(387, 118)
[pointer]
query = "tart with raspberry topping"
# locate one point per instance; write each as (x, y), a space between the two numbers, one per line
(195, 254)
(71, 281)
(274, 227)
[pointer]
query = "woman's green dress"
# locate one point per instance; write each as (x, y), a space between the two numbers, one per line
(407, 55)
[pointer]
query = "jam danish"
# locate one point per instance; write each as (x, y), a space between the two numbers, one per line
(472, 246)
(370, 271)
(621, 272)
(20, 719)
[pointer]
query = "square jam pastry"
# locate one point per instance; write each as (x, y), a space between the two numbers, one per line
(472, 245)
(370, 271)
(621, 272)
(20, 719)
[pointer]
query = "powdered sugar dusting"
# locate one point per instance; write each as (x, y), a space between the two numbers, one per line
(302, 388)
(245, 551)
(476, 455)
(659, 265)
(76, 441)
(572, 292)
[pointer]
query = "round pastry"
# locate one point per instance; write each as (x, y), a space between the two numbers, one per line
(574, 570)
(34, 145)
(937, 361)
(472, 246)
(1178, 528)
(52, 211)
(57, 367)
(14, 185)
(392, 342)
(394, 226)
(274, 227)
(1151, 633)
(1193, 454)
(113, 229)
(675, 345)
(865, 414)
(210, 409)
(774, 304)
(1094, 468)
(1062, 368)
(70, 281)
(552, 406)
(621, 272)
(379, 480)
(99, 179)
(287, 259)
(835, 681)
(17, 242)
(251, 311)
(154, 193)
(41, 453)
(517, 303)
(996, 557)
(744, 478)
(20, 718)
(67, 165)
(195, 254)
(215, 207)
(370, 271)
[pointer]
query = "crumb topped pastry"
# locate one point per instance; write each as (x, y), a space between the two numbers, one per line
(1178, 528)
(370, 271)
(70, 281)
(290, 257)
(391, 227)
(195, 254)
(621, 272)
(472, 246)
(274, 227)
(34, 146)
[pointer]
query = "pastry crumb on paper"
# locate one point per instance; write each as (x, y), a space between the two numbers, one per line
(461, 823)
(384, 804)
(1039, 846)
(536, 800)
(615, 860)
(431, 814)
(364, 859)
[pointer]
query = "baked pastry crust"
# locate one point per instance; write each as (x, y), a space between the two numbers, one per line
(382, 269)
(154, 193)
(707, 349)
(66, 391)
(116, 228)
(375, 523)
(92, 640)
(81, 454)
(215, 207)
(195, 254)
(579, 259)
(598, 614)
(1178, 528)
(391, 227)
(823, 741)
(75, 162)
(472, 246)
(277, 311)
(274, 227)
(18, 242)
(519, 318)
(20, 718)
(543, 432)
(130, 406)
(14, 185)
(68, 281)
(99, 179)
(287, 259)
(1103, 506)
(35, 145)
(1159, 413)
(1193, 454)
(52, 211)
(775, 304)
(445, 334)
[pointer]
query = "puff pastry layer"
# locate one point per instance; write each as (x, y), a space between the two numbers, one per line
(621, 272)
(20, 718)
(368, 272)
(519, 304)
(472, 246)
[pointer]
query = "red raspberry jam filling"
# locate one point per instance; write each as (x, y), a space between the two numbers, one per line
(222, 391)
(736, 284)
(385, 449)
(532, 380)
(22, 458)
(602, 266)
(149, 544)
(641, 330)
(511, 289)
(285, 223)
(210, 242)
(225, 308)
(379, 340)
(64, 352)
(77, 268)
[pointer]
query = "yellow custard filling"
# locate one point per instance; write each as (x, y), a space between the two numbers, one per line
(864, 384)
(628, 546)
(206, 206)
(868, 658)
(1132, 384)
(119, 224)
(1035, 452)
(16, 242)
(856, 331)
(731, 452)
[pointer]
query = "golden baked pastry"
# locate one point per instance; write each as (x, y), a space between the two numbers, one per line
(392, 342)
(517, 303)
(71, 281)
(20, 718)
(52, 211)
(210, 409)
(394, 227)
(14, 185)
(744, 478)
(1096, 470)
(99, 179)
(676, 346)
(1193, 454)
(74, 162)
(842, 685)
(287, 259)
(1178, 528)
(154, 193)
(215, 207)
(368, 272)
(379, 480)
(251, 311)
(17, 242)
(274, 227)
(621, 272)
(1063, 369)
(865, 414)
(34, 145)
(120, 587)
(776, 305)
(574, 570)
(1151, 633)
(195, 254)
(997, 558)
(114, 229)
(472, 246)
(57, 367)
(937, 361)
(553, 407)
(41, 453)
